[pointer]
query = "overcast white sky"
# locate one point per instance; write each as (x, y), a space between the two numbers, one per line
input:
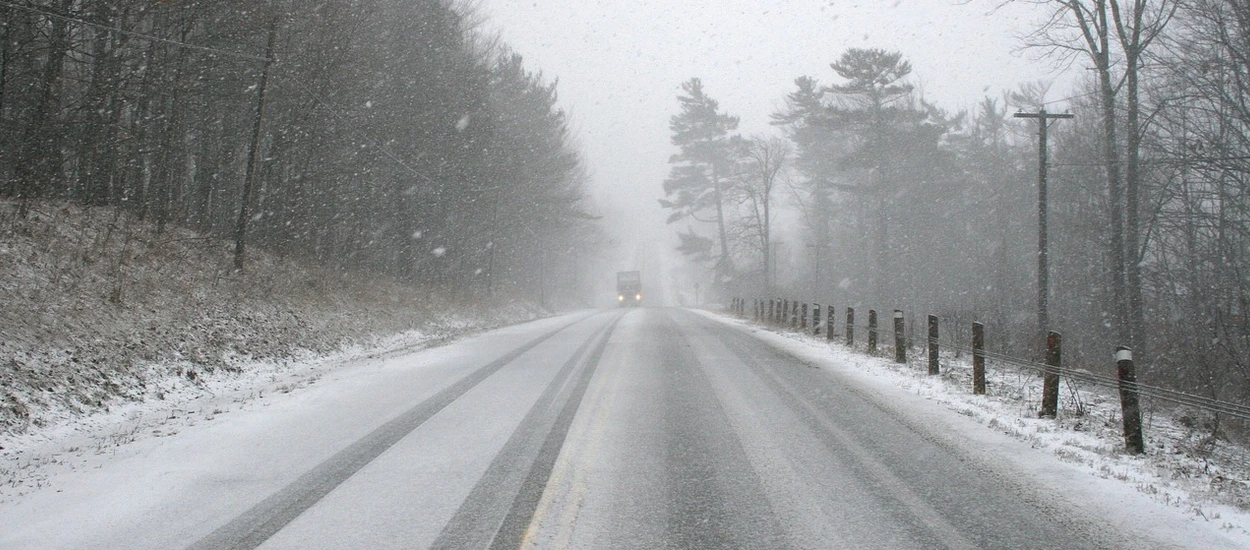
(620, 63)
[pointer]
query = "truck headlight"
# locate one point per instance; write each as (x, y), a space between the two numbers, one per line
(620, 298)
(638, 297)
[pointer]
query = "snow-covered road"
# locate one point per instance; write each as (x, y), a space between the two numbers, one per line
(632, 428)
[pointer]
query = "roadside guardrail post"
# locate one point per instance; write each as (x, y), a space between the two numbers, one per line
(872, 332)
(934, 368)
(1050, 381)
(900, 338)
(978, 359)
(850, 327)
(1130, 408)
(816, 319)
(829, 322)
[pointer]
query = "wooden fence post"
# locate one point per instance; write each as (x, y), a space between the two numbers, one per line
(850, 326)
(829, 322)
(872, 332)
(1130, 408)
(900, 338)
(978, 359)
(794, 314)
(1050, 382)
(816, 319)
(933, 345)
(803, 318)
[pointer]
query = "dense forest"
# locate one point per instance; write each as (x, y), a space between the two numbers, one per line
(394, 136)
(878, 198)
(388, 136)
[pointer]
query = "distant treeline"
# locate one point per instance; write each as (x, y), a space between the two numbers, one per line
(395, 135)
(902, 204)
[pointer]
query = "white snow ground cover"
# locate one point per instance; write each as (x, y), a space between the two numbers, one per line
(168, 477)
(1187, 490)
(1168, 495)
(68, 439)
(112, 329)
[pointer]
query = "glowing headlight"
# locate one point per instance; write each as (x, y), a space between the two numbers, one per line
(638, 297)
(620, 298)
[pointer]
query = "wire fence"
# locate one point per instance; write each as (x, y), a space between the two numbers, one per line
(885, 334)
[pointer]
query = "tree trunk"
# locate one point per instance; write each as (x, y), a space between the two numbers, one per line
(93, 148)
(725, 265)
(768, 276)
(6, 39)
(240, 228)
(171, 149)
(1111, 159)
(39, 174)
(1134, 45)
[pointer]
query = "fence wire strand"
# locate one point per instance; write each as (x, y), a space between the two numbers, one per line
(1086, 376)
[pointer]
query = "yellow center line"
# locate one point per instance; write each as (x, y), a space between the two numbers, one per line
(587, 437)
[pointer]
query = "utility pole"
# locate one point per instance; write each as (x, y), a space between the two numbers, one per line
(1043, 275)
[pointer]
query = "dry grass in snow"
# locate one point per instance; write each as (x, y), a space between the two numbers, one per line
(98, 310)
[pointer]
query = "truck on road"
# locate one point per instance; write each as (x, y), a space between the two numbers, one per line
(629, 288)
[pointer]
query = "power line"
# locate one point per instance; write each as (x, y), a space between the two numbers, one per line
(134, 34)
(1031, 105)
(1070, 98)
(1165, 160)
(377, 144)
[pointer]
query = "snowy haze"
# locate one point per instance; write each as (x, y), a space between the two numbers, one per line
(620, 64)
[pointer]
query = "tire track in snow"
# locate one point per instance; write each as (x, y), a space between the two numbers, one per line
(253, 527)
(486, 520)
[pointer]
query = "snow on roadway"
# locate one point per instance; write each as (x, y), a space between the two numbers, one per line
(29, 461)
(1165, 495)
(55, 486)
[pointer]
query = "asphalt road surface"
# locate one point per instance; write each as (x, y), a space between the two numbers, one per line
(645, 428)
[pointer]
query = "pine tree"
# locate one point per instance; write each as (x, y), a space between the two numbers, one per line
(698, 180)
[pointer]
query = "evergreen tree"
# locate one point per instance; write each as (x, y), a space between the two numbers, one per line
(702, 169)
